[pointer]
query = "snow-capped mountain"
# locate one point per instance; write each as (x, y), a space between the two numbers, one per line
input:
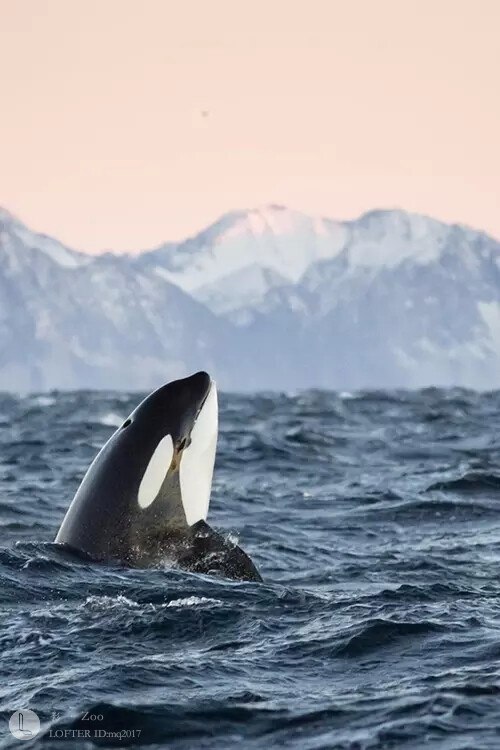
(266, 298)
(69, 320)
(407, 301)
(237, 260)
(15, 237)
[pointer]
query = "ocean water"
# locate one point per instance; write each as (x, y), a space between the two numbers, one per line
(374, 519)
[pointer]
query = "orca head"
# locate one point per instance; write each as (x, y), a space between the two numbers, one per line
(181, 421)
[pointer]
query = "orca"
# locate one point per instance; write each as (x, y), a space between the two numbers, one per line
(144, 499)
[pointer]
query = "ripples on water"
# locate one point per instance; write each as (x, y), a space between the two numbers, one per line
(375, 521)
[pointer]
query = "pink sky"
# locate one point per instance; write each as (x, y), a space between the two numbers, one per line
(329, 106)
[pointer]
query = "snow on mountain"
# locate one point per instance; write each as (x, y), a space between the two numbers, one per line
(234, 266)
(280, 242)
(388, 238)
(244, 288)
(267, 298)
(16, 234)
(99, 323)
(397, 306)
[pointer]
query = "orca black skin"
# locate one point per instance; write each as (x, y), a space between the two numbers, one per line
(144, 500)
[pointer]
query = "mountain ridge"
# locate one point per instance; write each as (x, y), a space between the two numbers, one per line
(264, 298)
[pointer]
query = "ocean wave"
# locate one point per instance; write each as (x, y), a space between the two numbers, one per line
(470, 483)
(374, 520)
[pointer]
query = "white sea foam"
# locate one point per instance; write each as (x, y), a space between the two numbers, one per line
(193, 601)
(43, 400)
(109, 602)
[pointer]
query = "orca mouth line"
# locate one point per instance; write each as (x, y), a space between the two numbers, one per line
(185, 442)
(207, 394)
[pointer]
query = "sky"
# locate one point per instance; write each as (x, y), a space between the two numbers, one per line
(126, 123)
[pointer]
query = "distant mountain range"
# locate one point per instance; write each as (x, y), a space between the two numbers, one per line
(264, 299)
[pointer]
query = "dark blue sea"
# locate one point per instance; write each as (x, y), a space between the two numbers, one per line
(374, 519)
